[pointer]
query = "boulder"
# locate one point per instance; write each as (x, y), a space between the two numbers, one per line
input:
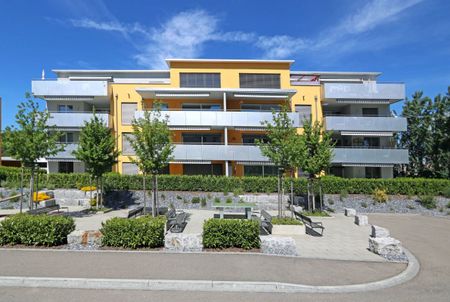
(387, 247)
(361, 220)
(179, 242)
(80, 237)
(379, 232)
(273, 245)
(350, 212)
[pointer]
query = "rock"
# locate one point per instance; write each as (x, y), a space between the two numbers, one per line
(80, 237)
(350, 212)
(379, 232)
(387, 247)
(179, 242)
(278, 245)
(361, 220)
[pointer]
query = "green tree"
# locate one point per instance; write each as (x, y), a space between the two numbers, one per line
(153, 148)
(440, 129)
(418, 136)
(97, 149)
(32, 138)
(317, 157)
(284, 147)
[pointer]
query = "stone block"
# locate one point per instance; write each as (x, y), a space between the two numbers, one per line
(361, 220)
(379, 232)
(179, 242)
(273, 245)
(350, 212)
(386, 247)
(81, 237)
(288, 229)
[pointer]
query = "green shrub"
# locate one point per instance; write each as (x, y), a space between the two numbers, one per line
(286, 221)
(364, 204)
(227, 233)
(36, 230)
(253, 184)
(380, 196)
(448, 205)
(93, 202)
(142, 232)
(446, 192)
(229, 200)
(316, 213)
(342, 195)
(217, 200)
(203, 202)
(237, 192)
(195, 199)
(427, 201)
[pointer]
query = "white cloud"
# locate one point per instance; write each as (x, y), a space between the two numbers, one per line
(185, 34)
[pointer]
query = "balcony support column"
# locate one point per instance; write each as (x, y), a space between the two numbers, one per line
(227, 168)
(224, 101)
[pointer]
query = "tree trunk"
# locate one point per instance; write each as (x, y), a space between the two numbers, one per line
(30, 205)
(96, 191)
(145, 200)
(103, 186)
(292, 193)
(154, 184)
(90, 188)
(37, 188)
(21, 189)
(279, 194)
(321, 195)
(313, 193)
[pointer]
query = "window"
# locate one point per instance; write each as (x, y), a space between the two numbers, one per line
(126, 146)
(202, 169)
(199, 80)
(203, 139)
(66, 137)
(304, 112)
(128, 110)
(65, 108)
(371, 142)
(373, 172)
(258, 80)
(250, 139)
(193, 106)
(370, 111)
(65, 167)
(260, 107)
(129, 169)
(260, 170)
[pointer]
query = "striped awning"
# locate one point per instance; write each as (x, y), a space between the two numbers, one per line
(255, 163)
(369, 165)
(358, 101)
(69, 98)
(192, 162)
(72, 160)
(190, 128)
(249, 129)
(366, 133)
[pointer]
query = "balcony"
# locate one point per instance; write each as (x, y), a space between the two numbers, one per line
(54, 88)
(74, 119)
(364, 91)
(220, 118)
(66, 154)
(352, 155)
(218, 152)
(365, 124)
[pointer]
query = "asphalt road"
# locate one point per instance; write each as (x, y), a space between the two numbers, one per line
(428, 238)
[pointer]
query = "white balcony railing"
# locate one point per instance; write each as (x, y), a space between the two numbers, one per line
(368, 90)
(359, 123)
(50, 88)
(220, 118)
(74, 119)
(343, 155)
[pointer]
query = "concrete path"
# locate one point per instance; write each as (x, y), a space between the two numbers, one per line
(90, 222)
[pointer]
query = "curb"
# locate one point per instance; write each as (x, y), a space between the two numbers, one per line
(208, 285)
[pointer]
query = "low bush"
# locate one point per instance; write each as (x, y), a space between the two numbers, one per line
(316, 213)
(380, 196)
(142, 232)
(446, 192)
(286, 221)
(36, 230)
(195, 200)
(342, 195)
(427, 201)
(227, 233)
(203, 202)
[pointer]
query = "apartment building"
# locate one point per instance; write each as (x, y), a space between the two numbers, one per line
(215, 109)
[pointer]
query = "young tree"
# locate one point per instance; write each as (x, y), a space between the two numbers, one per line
(283, 147)
(32, 138)
(153, 147)
(318, 155)
(97, 149)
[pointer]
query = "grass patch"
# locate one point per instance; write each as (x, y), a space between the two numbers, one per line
(195, 200)
(203, 202)
(316, 213)
(428, 201)
(286, 221)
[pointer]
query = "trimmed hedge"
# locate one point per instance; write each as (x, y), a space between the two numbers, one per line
(142, 232)
(226, 233)
(330, 184)
(36, 230)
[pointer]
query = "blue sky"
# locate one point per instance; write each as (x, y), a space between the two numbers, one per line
(407, 40)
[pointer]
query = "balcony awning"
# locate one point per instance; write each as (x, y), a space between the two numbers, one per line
(73, 160)
(366, 133)
(255, 163)
(194, 162)
(216, 93)
(190, 128)
(369, 165)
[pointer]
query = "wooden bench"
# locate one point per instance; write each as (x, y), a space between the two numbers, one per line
(135, 212)
(309, 223)
(266, 223)
(178, 224)
(44, 210)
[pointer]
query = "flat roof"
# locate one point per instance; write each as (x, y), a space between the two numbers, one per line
(339, 73)
(168, 61)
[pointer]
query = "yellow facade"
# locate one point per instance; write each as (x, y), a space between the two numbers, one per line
(229, 76)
